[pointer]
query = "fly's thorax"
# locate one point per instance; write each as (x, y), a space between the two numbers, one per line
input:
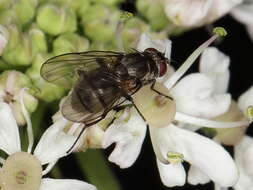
(138, 65)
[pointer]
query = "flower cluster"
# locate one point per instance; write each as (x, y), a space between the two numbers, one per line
(190, 120)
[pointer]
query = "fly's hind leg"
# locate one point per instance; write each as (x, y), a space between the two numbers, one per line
(152, 87)
(82, 131)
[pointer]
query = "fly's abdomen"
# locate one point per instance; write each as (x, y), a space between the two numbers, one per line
(92, 97)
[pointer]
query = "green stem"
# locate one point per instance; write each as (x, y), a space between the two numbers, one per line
(93, 165)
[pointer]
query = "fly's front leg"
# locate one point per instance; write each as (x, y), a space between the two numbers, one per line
(152, 87)
(129, 98)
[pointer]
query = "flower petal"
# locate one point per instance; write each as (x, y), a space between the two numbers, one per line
(9, 134)
(197, 12)
(54, 143)
(196, 176)
(161, 45)
(244, 13)
(199, 151)
(245, 181)
(187, 12)
(245, 100)
(171, 174)
(194, 95)
(215, 65)
(65, 184)
(128, 137)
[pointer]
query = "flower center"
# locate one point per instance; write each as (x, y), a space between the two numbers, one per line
(8, 97)
(231, 136)
(21, 171)
(158, 110)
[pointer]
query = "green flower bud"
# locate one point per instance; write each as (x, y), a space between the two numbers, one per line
(102, 46)
(11, 84)
(5, 4)
(46, 91)
(56, 20)
(38, 39)
(22, 54)
(27, 45)
(69, 43)
(25, 10)
(78, 6)
(109, 2)
(99, 22)
(153, 11)
(132, 30)
(7, 17)
(14, 37)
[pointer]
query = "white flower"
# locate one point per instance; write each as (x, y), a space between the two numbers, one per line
(191, 13)
(244, 14)
(53, 145)
(172, 144)
(11, 84)
(215, 65)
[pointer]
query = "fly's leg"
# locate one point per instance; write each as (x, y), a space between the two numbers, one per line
(129, 98)
(152, 87)
(82, 131)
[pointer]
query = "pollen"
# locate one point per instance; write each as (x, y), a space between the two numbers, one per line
(21, 171)
(158, 109)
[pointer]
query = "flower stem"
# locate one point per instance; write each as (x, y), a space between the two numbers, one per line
(93, 165)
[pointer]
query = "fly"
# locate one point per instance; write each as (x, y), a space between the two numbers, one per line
(102, 80)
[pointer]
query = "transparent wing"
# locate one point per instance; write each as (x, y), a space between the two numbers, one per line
(63, 69)
(89, 110)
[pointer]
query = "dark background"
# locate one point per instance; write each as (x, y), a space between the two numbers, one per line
(238, 46)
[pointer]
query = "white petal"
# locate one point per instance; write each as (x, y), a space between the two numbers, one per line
(161, 45)
(171, 174)
(248, 159)
(245, 100)
(218, 187)
(194, 95)
(65, 184)
(197, 12)
(215, 64)
(199, 151)
(220, 8)
(9, 134)
(196, 176)
(244, 13)
(245, 181)
(128, 137)
(250, 30)
(187, 12)
(54, 143)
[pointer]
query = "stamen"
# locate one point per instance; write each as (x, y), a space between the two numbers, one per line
(209, 123)
(190, 60)
(175, 157)
(28, 121)
(250, 113)
(49, 167)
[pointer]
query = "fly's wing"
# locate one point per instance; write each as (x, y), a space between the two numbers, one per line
(62, 69)
(91, 99)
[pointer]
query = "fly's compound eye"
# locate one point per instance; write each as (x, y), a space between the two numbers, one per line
(162, 68)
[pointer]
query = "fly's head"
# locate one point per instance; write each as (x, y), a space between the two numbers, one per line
(160, 60)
